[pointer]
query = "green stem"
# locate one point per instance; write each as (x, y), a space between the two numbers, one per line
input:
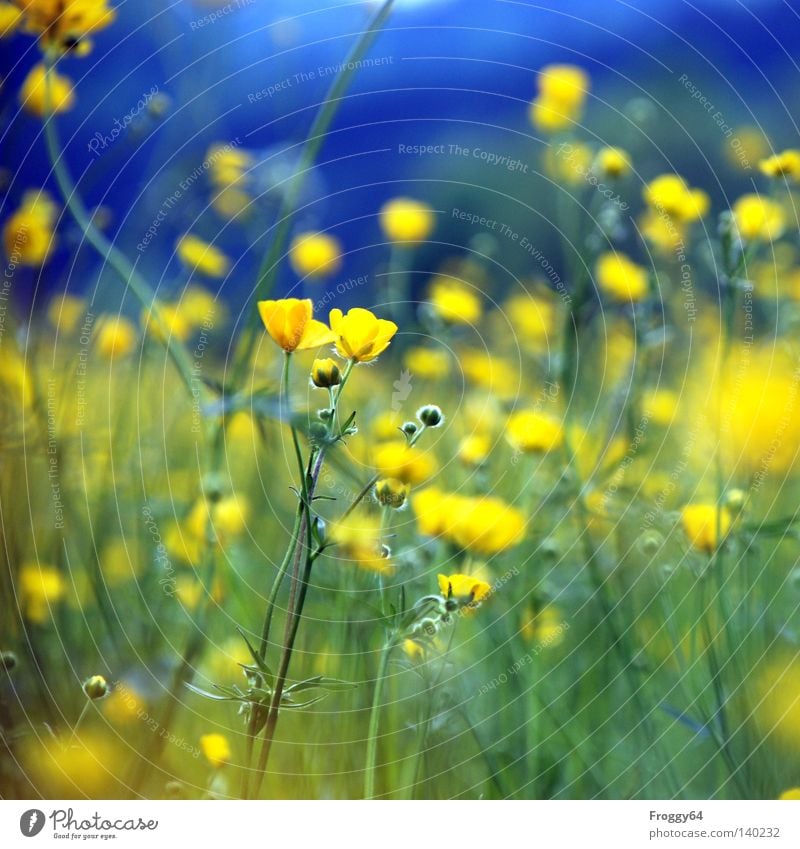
(109, 253)
(270, 264)
(374, 719)
(81, 716)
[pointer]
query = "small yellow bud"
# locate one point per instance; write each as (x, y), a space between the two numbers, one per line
(325, 373)
(95, 687)
(391, 492)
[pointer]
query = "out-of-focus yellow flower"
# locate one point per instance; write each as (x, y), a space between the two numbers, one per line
(65, 312)
(533, 318)
(534, 432)
(464, 590)
(758, 218)
(87, 766)
(792, 794)
(325, 373)
(64, 24)
(358, 539)
(228, 167)
(660, 406)
(10, 18)
(118, 561)
(700, 525)
(413, 650)
(360, 335)
(619, 277)
(667, 235)
(569, 164)
(427, 363)
(385, 425)
(613, 163)
(430, 506)
(545, 627)
(748, 145)
(201, 257)
(124, 705)
(776, 700)
(785, 164)
(41, 587)
(229, 516)
(492, 373)
(28, 236)
(315, 254)
(115, 336)
(216, 749)
(199, 308)
(473, 450)
(670, 194)
(406, 220)
(290, 325)
(35, 98)
(391, 492)
(407, 463)
(487, 526)
(166, 321)
(455, 302)
(562, 92)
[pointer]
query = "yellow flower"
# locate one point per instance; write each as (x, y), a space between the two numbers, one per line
(568, 165)
(669, 194)
(473, 450)
(545, 627)
(532, 317)
(199, 308)
(464, 590)
(432, 509)
(291, 326)
(660, 406)
(665, 234)
(358, 539)
(427, 363)
(613, 163)
(413, 650)
(118, 561)
(531, 431)
(28, 236)
(562, 92)
(492, 373)
(776, 700)
(199, 256)
(10, 18)
(792, 794)
(216, 749)
(700, 525)
(64, 23)
(65, 312)
(124, 705)
(386, 425)
(409, 464)
(359, 335)
(758, 218)
(455, 302)
(391, 492)
(486, 525)
(166, 321)
(115, 336)
(315, 254)
(229, 516)
(406, 220)
(619, 277)
(40, 588)
(785, 164)
(34, 96)
(325, 373)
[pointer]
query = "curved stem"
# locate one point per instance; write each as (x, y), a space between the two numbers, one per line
(374, 720)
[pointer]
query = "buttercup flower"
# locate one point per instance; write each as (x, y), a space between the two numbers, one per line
(326, 373)
(455, 302)
(66, 312)
(531, 431)
(427, 363)
(758, 218)
(290, 325)
(792, 794)
(613, 163)
(315, 254)
(700, 525)
(562, 92)
(200, 257)
(216, 749)
(34, 94)
(464, 590)
(28, 236)
(41, 587)
(10, 19)
(486, 525)
(621, 278)
(359, 335)
(391, 492)
(115, 336)
(406, 220)
(407, 463)
(785, 164)
(64, 24)
(670, 194)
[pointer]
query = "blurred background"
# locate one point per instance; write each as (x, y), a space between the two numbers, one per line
(169, 80)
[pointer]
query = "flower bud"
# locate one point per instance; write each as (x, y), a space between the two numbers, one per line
(8, 660)
(409, 428)
(735, 500)
(430, 415)
(325, 415)
(391, 492)
(325, 373)
(95, 687)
